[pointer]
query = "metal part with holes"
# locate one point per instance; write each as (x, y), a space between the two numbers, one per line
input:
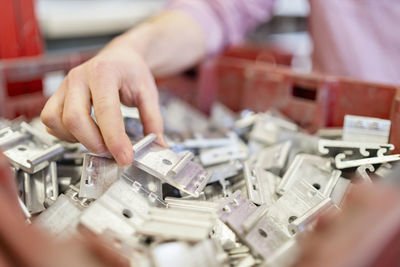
(176, 170)
(98, 173)
(297, 201)
(366, 129)
(219, 231)
(315, 170)
(263, 229)
(40, 186)
(28, 149)
(341, 163)
(260, 185)
(274, 158)
(236, 151)
(62, 218)
(9, 137)
(267, 128)
(145, 184)
(300, 223)
(120, 208)
(224, 170)
(171, 224)
(334, 147)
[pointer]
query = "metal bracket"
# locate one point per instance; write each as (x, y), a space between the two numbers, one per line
(345, 164)
(260, 185)
(176, 170)
(366, 129)
(274, 158)
(315, 170)
(32, 152)
(235, 151)
(334, 147)
(98, 173)
(266, 230)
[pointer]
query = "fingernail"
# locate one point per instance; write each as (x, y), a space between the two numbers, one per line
(124, 158)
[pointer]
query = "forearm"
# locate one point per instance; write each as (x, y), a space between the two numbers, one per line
(169, 43)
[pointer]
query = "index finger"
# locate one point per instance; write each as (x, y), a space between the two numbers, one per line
(104, 87)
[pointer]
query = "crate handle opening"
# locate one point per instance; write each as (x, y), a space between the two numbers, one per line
(303, 92)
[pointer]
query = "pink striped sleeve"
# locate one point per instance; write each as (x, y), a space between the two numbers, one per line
(225, 22)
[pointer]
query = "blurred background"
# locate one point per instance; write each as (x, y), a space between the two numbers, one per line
(69, 25)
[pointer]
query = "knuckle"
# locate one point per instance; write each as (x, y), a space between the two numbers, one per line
(99, 66)
(71, 120)
(74, 73)
(48, 117)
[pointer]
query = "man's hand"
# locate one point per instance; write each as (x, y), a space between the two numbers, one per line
(123, 72)
(115, 74)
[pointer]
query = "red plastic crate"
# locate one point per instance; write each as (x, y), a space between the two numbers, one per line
(311, 100)
(24, 69)
(20, 37)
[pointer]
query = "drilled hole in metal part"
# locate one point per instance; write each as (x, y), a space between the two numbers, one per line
(292, 219)
(293, 232)
(127, 213)
(254, 187)
(226, 209)
(262, 233)
(317, 186)
(21, 148)
(167, 162)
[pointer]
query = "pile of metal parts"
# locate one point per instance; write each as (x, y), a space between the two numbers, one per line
(232, 189)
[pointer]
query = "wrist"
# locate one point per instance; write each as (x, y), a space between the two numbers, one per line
(136, 39)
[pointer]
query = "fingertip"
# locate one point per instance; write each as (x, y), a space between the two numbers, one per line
(124, 156)
(161, 140)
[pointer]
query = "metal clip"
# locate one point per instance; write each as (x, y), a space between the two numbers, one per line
(334, 147)
(366, 129)
(224, 171)
(62, 218)
(188, 225)
(98, 174)
(176, 170)
(236, 151)
(267, 128)
(146, 185)
(32, 152)
(121, 208)
(344, 164)
(315, 170)
(300, 223)
(274, 158)
(266, 230)
(260, 185)
(40, 186)
(201, 142)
